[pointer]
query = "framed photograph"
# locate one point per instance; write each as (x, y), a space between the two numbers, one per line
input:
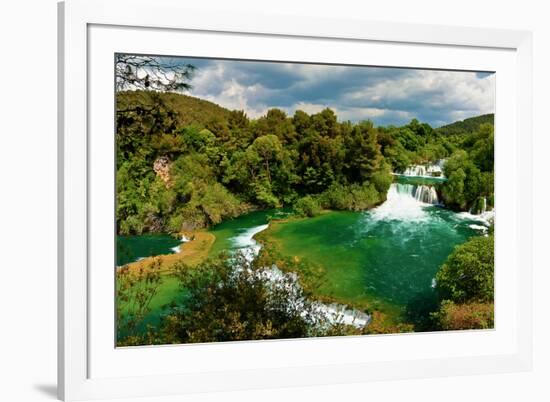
(254, 201)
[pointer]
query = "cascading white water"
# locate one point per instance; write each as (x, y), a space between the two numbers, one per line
(429, 170)
(478, 209)
(415, 170)
(426, 194)
(333, 313)
(177, 249)
(406, 202)
(245, 242)
(483, 208)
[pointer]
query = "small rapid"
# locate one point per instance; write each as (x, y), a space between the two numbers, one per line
(334, 313)
(177, 248)
(246, 244)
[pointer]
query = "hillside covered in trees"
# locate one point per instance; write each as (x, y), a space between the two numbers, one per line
(184, 162)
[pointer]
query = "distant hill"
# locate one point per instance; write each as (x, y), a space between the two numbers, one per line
(190, 110)
(466, 126)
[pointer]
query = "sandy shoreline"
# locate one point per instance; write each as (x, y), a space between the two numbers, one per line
(191, 252)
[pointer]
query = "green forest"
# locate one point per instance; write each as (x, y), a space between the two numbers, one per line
(223, 164)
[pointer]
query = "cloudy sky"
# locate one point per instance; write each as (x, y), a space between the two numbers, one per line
(383, 95)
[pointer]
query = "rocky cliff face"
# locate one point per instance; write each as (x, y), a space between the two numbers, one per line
(162, 169)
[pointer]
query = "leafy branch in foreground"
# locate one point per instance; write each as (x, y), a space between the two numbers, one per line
(230, 299)
(152, 73)
(135, 288)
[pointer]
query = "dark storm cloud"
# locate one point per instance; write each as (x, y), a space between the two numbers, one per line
(384, 95)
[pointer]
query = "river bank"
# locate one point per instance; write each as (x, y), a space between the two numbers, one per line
(194, 248)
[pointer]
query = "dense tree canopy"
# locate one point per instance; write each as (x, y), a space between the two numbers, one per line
(220, 166)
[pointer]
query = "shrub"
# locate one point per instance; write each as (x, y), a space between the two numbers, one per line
(453, 316)
(468, 273)
(307, 206)
(354, 197)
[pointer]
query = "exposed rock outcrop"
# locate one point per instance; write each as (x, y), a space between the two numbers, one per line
(162, 169)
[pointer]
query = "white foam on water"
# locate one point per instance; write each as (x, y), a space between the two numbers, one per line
(332, 313)
(246, 244)
(430, 170)
(339, 314)
(183, 239)
(485, 218)
(481, 228)
(321, 313)
(401, 205)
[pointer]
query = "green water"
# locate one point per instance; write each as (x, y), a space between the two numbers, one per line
(384, 259)
(228, 234)
(133, 248)
(420, 180)
(375, 261)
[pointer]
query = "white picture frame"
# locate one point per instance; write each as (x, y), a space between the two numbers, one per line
(89, 367)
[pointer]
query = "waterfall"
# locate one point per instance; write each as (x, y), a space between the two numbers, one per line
(479, 207)
(429, 170)
(415, 170)
(406, 202)
(422, 193)
(426, 194)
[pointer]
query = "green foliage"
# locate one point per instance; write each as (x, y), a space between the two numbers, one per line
(307, 206)
(187, 109)
(220, 162)
(468, 273)
(353, 197)
(468, 147)
(470, 171)
(134, 291)
(228, 299)
(364, 157)
(217, 164)
(202, 200)
(467, 126)
(452, 316)
(465, 287)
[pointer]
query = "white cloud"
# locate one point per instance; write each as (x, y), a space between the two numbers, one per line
(388, 96)
(216, 85)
